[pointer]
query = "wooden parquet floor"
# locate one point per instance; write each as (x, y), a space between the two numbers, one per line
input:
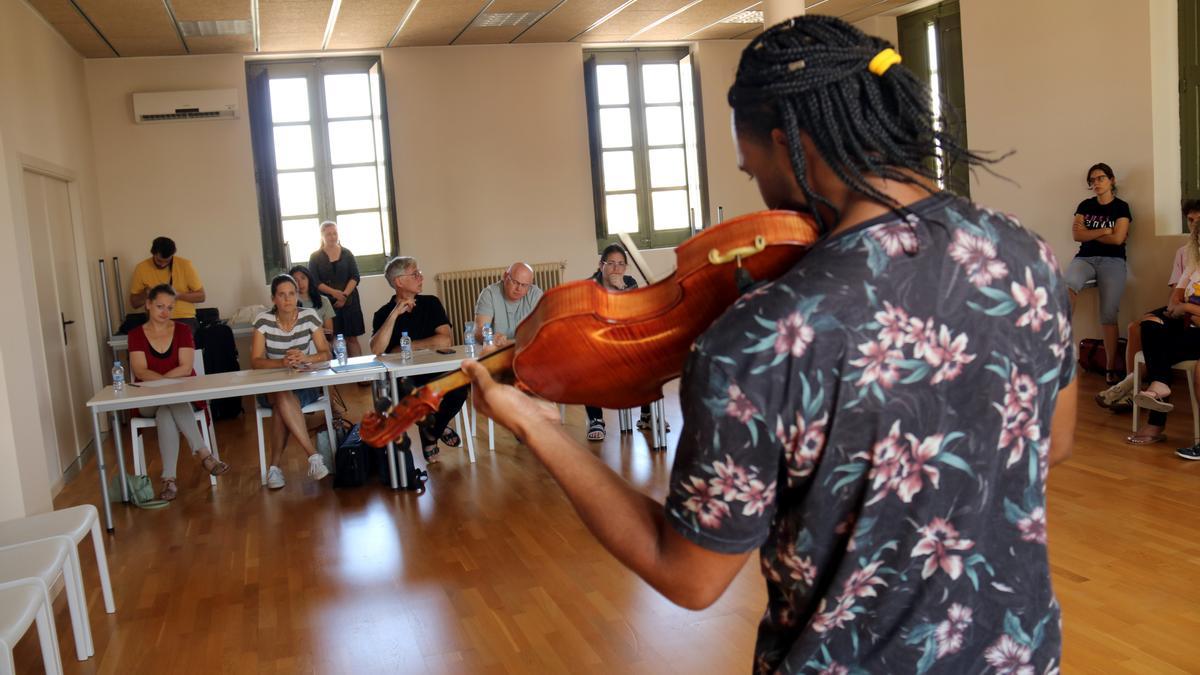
(490, 571)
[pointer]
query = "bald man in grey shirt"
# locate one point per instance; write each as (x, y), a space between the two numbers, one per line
(505, 303)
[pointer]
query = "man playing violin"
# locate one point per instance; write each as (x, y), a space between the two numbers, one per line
(424, 319)
(505, 303)
(879, 421)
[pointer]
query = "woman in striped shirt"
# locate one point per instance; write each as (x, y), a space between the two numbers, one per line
(289, 336)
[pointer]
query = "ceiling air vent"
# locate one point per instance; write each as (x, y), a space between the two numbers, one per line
(506, 19)
(745, 16)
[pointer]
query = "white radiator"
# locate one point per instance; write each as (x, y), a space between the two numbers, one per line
(460, 290)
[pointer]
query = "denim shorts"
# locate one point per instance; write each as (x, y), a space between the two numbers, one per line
(306, 397)
(1109, 274)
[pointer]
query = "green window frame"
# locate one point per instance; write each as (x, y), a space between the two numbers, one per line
(647, 172)
(350, 160)
(930, 42)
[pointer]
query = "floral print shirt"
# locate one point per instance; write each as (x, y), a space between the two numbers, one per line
(877, 423)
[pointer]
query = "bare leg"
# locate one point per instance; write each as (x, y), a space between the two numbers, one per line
(287, 410)
(1134, 343)
(1110, 345)
(279, 434)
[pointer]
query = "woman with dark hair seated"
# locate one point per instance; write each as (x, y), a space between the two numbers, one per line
(162, 348)
(611, 276)
(310, 298)
(288, 336)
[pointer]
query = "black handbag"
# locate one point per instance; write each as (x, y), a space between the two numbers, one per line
(352, 461)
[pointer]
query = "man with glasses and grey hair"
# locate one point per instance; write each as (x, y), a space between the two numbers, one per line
(424, 319)
(507, 302)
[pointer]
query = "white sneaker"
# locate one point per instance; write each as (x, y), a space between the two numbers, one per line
(316, 467)
(275, 478)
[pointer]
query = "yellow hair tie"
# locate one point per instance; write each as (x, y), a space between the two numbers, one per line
(883, 60)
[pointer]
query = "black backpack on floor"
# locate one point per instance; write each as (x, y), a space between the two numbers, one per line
(220, 356)
(352, 462)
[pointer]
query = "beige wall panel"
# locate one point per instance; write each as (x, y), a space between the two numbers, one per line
(492, 36)
(569, 20)
(633, 19)
(694, 19)
(367, 24)
(43, 115)
(63, 17)
(211, 10)
(436, 23)
(192, 181)
(135, 27)
(221, 44)
(292, 25)
(1029, 99)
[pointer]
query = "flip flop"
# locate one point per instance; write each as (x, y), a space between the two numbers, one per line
(1134, 439)
(1151, 402)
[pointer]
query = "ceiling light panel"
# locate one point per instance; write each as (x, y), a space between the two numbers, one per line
(509, 18)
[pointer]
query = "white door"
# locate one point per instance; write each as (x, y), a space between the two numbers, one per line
(60, 309)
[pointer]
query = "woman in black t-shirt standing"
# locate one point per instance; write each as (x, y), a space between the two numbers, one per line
(1101, 227)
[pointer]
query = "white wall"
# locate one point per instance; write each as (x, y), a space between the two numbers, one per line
(191, 181)
(489, 145)
(1046, 90)
(43, 117)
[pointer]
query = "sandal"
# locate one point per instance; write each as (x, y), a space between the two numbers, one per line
(1135, 439)
(643, 423)
(451, 438)
(213, 465)
(431, 453)
(595, 430)
(169, 490)
(1151, 401)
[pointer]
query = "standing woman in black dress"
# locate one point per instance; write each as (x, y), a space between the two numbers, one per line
(335, 272)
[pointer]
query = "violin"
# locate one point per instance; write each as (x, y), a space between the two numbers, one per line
(584, 344)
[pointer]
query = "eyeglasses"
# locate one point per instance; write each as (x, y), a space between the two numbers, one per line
(614, 264)
(1092, 180)
(418, 273)
(520, 286)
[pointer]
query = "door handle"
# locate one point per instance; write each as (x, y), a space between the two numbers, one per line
(65, 323)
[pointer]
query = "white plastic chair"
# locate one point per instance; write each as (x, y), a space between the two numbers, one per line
(42, 562)
(261, 413)
(1189, 369)
(22, 603)
(72, 524)
(203, 418)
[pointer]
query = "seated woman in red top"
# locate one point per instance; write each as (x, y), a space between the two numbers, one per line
(164, 348)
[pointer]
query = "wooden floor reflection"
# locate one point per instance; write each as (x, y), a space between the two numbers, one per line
(490, 571)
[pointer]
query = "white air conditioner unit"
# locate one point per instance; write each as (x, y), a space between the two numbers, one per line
(169, 106)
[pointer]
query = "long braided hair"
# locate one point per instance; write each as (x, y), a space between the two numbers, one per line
(811, 74)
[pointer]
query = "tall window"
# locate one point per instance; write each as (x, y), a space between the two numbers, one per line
(642, 122)
(321, 153)
(931, 44)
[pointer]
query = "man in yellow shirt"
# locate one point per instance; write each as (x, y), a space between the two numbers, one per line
(164, 267)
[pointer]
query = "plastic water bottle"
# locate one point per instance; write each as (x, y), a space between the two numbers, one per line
(118, 374)
(469, 337)
(339, 349)
(405, 347)
(489, 336)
